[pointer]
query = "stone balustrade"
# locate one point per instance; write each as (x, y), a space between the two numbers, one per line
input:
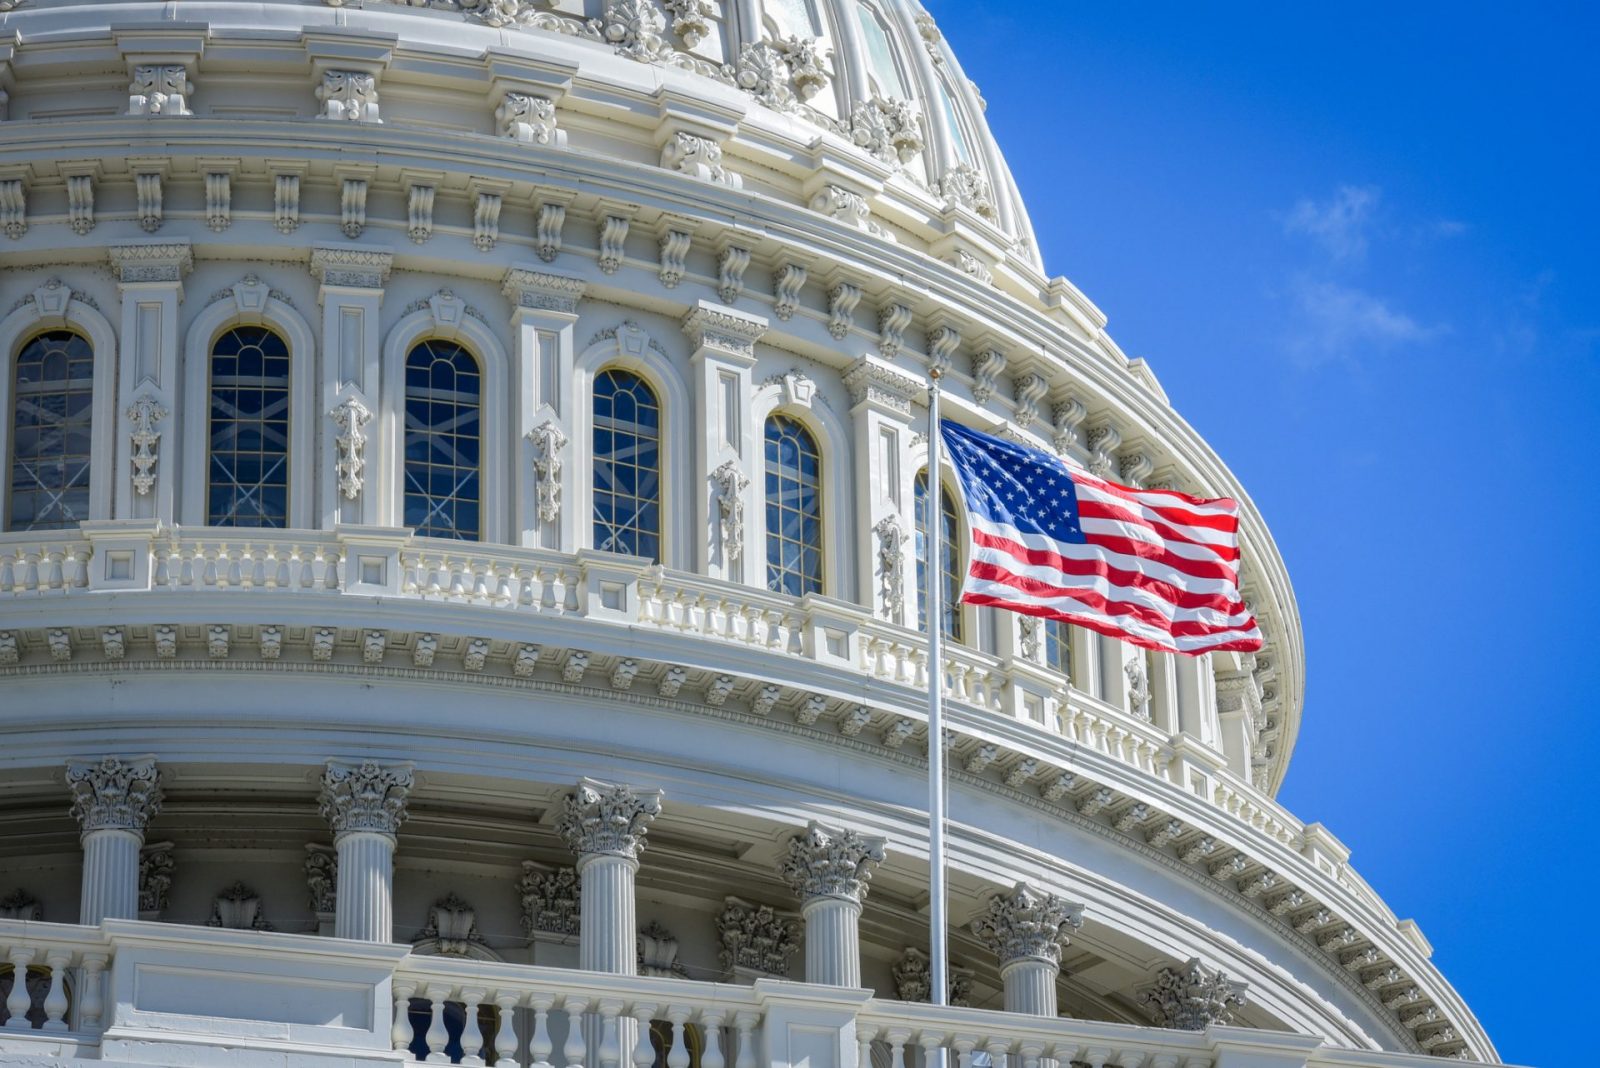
(171, 989)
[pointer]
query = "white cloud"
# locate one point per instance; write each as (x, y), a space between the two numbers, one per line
(1339, 322)
(1341, 225)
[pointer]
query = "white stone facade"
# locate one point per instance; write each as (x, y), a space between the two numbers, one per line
(321, 785)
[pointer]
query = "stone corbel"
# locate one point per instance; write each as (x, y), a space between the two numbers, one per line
(525, 96)
(346, 69)
(691, 132)
(162, 62)
(552, 216)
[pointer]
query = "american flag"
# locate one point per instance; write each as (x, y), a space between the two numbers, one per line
(1156, 568)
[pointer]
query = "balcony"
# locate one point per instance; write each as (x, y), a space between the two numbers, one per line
(136, 992)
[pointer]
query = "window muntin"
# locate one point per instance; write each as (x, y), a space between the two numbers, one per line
(880, 55)
(443, 475)
(1058, 646)
(950, 564)
(247, 471)
(627, 465)
(51, 413)
(794, 508)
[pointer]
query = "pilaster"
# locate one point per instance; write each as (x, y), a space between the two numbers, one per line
(150, 282)
(880, 412)
(351, 294)
(365, 804)
(723, 361)
(828, 871)
(544, 312)
(113, 800)
(1027, 930)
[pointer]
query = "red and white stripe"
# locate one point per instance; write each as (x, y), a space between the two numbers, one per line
(1159, 569)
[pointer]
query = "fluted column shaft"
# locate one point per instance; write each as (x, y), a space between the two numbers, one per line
(833, 941)
(110, 876)
(1030, 986)
(365, 804)
(607, 916)
(112, 800)
(364, 894)
(828, 870)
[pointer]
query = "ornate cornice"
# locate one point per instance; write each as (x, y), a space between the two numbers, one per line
(605, 819)
(824, 863)
(155, 261)
(352, 268)
(728, 331)
(1026, 924)
(528, 287)
(115, 795)
(871, 380)
(365, 797)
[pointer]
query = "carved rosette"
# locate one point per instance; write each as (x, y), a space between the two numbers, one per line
(115, 795)
(608, 820)
(1027, 925)
(756, 937)
(365, 797)
(1193, 997)
(350, 416)
(824, 863)
(549, 899)
(548, 441)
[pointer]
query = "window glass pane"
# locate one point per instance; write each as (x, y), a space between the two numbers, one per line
(950, 550)
(53, 392)
(792, 17)
(1058, 646)
(247, 471)
(627, 443)
(794, 508)
(957, 134)
(442, 438)
(879, 55)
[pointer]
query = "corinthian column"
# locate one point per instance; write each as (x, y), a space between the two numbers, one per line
(605, 826)
(1027, 930)
(365, 804)
(828, 871)
(112, 801)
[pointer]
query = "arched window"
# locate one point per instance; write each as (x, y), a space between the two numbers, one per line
(958, 133)
(443, 441)
(794, 508)
(247, 476)
(627, 465)
(883, 71)
(50, 423)
(949, 566)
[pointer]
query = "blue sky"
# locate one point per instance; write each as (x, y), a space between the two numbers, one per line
(1358, 244)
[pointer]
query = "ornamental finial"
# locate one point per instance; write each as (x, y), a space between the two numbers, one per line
(824, 863)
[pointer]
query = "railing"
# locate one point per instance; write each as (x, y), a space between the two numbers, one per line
(456, 1010)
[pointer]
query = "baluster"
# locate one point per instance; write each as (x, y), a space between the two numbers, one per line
(458, 582)
(228, 568)
(8, 574)
(480, 581)
(30, 581)
(502, 586)
(319, 568)
(335, 570)
(678, 1055)
(400, 1029)
(57, 580)
(1032, 1050)
(527, 595)
(504, 1040)
(574, 1052)
(55, 1000)
(864, 1037)
(711, 1056)
(539, 1046)
(558, 591)
(72, 574)
(610, 1037)
(91, 995)
(964, 1045)
(249, 557)
(996, 1048)
(644, 1054)
(272, 565)
(437, 1036)
(294, 569)
(745, 1056)
(929, 1041)
(897, 1047)
(19, 1001)
(471, 1032)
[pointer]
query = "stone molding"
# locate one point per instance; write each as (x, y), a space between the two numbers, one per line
(351, 268)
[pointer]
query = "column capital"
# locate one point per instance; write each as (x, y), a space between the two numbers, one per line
(151, 261)
(532, 289)
(351, 268)
(365, 797)
(1025, 924)
(115, 794)
(879, 385)
(824, 863)
(728, 332)
(607, 819)
(1193, 997)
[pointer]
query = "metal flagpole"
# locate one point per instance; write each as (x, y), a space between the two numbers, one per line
(938, 965)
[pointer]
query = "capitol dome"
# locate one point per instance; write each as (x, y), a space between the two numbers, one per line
(454, 445)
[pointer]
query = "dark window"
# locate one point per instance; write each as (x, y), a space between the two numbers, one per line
(443, 442)
(794, 508)
(950, 564)
(248, 471)
(50, 422)
(627, 466)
